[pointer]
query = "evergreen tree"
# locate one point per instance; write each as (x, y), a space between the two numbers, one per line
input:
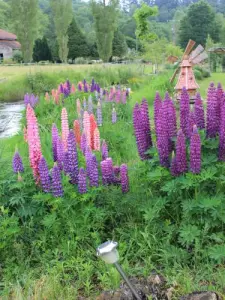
(24, 15)
(105, 25)
(119, 44)
(41, 50)
(62, 11)
(77, 43)
(198, 23)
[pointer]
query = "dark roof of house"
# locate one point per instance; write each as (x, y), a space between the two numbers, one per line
(11, 44)
(4, 35)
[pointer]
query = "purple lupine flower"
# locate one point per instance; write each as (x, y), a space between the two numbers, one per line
(195, 151)
(199, 112)
(60, 153)
(94, 171)
(173, 167)
(66, 92)
(114, 116)
(88, 158)
(157, 106)
(26, 99)
(171, 120)
(104, 150)
(213, 113)
(66, 165)
(90, 105)
(163, 142)
(85, 88)
(83, 143)
(99, 114)
(68, 85)
(191, 123)
(84, 81)
(220, 96)
(80, 86)
(61, 88)
(44, 175)
(82, 181)
(146, 123)
(124, 178)
(107, 171)
(57, 189)
(184, 110)
(116, 174)
(222, 132)
(181, 161)
(30, 99)
(17, 163)
(55, 137)
(72, 158)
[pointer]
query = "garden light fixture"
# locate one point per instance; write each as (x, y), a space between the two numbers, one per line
(109, 254)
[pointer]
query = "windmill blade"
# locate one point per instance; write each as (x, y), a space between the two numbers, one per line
(189, 47)
(196, 52)
(174, 75)
(201, 57)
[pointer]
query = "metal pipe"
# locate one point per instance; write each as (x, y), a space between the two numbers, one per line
(134, 292)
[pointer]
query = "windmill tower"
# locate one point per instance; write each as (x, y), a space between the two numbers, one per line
(186, 76)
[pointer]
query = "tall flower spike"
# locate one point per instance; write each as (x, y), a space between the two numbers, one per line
(72, 158)
(195, 151)
(199, 112)
(104, 150)
(55, 137)
(157, 107)
(76, 128)
(146, 123)
(93, 126)
(222, 132)
(60, 153)
(107, 171)
(173, 167)
(65, 127)
(124, 178)
(94, 171)
(191, 123)
(97, 140)
(99, 114)
(114, 116)
(170, 116)
(44, 175)
(90, 105)
(87, 127)
(213, 113)
(66, 163)
(17, 163)
(57, 189)
(184, 111)
(83, 143)
(82, 182)
(73, 89)
(181, 161)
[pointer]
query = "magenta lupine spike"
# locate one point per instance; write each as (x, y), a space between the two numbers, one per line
(173, 167)
(72, 158)
(163, 142)
(60, 153)
(44, 175)
(184, 110)
(118, 96)
(57, 189)
(219, 93)
(146, 123)
(104, 150)
(82, 181)
(99, 114)
(157, 106)
(114, 116)
(94, 171)
(55, 137)
(199, 112)
(222, 132)
(124, 178)
(181, 160)
(83, 143)
(195, 151)
(213, 114)
(191, 123)
(170, 116)
(107, 171)
(17, 163)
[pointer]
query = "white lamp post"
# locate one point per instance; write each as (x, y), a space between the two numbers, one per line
(109, 254)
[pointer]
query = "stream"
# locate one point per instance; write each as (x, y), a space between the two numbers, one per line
(10, 117)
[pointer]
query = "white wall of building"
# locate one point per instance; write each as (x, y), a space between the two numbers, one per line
(6, 51)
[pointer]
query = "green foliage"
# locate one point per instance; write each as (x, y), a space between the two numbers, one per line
(24, 14)
(119, 46)
(105, 25)
(77, 43)
(17, 56)
(41, 50)
(62, 11)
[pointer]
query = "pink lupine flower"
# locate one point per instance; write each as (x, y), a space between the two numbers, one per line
(97, 144)
(47, 98)
(87, 127)
(65, 127)
(73, 89)
(78, 106)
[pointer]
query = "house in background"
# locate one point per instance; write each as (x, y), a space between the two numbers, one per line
(8, 43)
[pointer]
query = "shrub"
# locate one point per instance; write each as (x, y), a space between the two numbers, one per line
(80, 61)
(17, 56)
(198, 74)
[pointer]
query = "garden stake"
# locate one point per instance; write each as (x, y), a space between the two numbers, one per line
(109, 254)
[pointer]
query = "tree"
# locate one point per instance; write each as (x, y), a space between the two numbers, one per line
(25, 24)
(41, 50)
(105, 25)
(62, 11)
(77, 43)
(119, 44)
(198, 23)
(4, 15)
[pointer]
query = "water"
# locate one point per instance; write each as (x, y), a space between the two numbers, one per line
(10, 117)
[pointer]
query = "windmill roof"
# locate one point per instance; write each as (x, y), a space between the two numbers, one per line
(185, 63)
(5, 35)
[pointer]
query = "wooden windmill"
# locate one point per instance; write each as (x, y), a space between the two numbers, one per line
(186, 76)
